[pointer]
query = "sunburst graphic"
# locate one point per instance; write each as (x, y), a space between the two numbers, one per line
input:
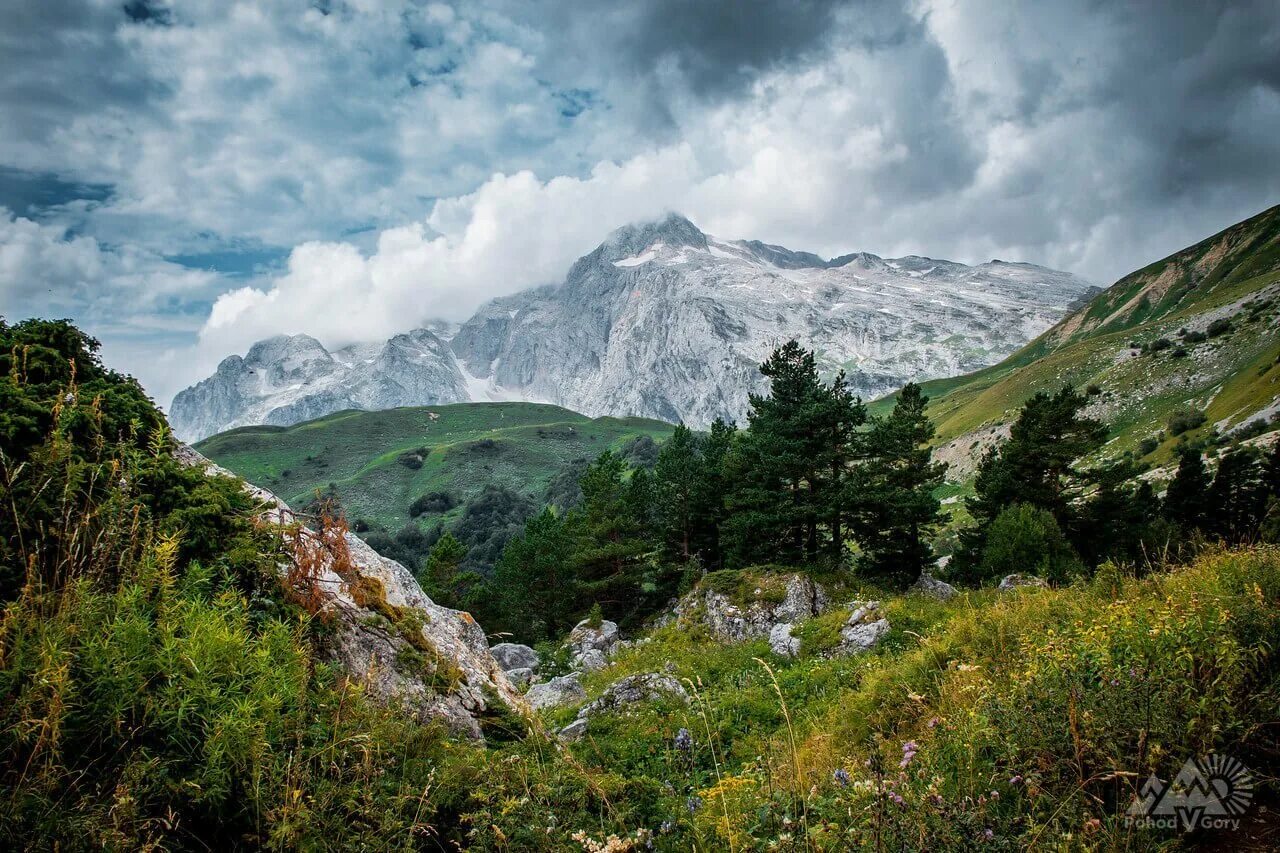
(1226, 780)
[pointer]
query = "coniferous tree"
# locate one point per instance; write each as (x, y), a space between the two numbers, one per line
(533, 587)
(610, 546)
(440, 569)
(680, 474)
(716, 484)
(1035, 466)
(1271, 471)
(1185, 500)
(893, 491)
(787, 469)
(1237, 498)
(1121, 518)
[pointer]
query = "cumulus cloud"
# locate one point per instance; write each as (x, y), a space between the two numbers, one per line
(414, 159)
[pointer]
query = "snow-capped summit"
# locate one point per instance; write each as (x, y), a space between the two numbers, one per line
(661, 320)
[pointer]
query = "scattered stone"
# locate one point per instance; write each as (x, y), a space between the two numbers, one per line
(934, 588)
(563, 690)
(511, 656)
(645, 687)
(863, 630)
(573, 731)
(584, 637)
(590, 661)
(782, 643)
(1017, 581)
(520, 677)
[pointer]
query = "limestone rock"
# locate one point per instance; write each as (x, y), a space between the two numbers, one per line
(644, 687)
(515, 656)
(934, 588)
(732, 622)
(574, 731)
(562, 690)
(584, 637)
(782, 643)
(520, 677)
(863, 630)
(387, 634)
(1019, 581)
(589, 660)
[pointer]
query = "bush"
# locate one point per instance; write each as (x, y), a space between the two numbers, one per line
(1194, 338)
(1219, 327)
(1027, 539)
(1148, 445)
(1185, 420)
(432, 502)
(412, 460)
(1093, 390)
(1159, 344)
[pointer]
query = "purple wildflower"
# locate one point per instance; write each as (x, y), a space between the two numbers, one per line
(693, 803)
(841, 776)
(988, 834)
(1016, 779)
(909, 750)
(684, 740)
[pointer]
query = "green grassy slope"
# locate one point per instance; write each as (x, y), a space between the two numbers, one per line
(1234, 275)
(468, 445)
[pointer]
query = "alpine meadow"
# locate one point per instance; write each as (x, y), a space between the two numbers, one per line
(421, 428)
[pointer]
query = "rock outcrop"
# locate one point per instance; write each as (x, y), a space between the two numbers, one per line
(863, 629)
(1021, 581)
(780, 599)
(933, 588)
(590, 645)
(387, 634)
(512, 656)
(632, 690)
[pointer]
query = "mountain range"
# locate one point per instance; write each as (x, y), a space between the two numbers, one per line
(661, 320)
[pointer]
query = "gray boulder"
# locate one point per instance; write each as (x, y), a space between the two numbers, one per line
(933, 588)
(585, 637)
(644, 687)
(574, 731)
(520, 677)
(1021, 581)
(589, 660)
(782, 643)
(515, 656)
(863, 629)
(563, 690)
(733, 622)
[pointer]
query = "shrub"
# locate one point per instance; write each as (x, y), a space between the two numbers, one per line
(412, 460)
(1219, 327)
(432, 502)
(1093, 390)
(1159, 344)
(1184, 420)
(1027, 539)
(1194, 338)
(1148, 445)
(1178, 352)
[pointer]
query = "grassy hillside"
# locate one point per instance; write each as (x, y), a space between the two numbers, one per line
(380, 462)
(1197, 331)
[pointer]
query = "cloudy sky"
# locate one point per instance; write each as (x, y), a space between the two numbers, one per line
(185, 177)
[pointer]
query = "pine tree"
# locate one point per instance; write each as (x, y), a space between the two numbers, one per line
(1120, 520)
(893, 491)
(440, 569)
(1237, 498)
(1035, 466)
(1186, 498)
(787, 469)
(680, 474)
(610, 548)
(533, 586)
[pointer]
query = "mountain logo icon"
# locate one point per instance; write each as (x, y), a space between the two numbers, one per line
(1207, 792)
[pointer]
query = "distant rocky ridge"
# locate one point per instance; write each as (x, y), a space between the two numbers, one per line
(664, 321)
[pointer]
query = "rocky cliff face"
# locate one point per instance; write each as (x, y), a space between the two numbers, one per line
(289, 379)
(387, 633)
(664, 321)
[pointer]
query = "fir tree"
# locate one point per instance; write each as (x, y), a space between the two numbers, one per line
(1237, 496)
(440, 569)
(680, 474)
(533, 585)
(893, 490)
(1186, 498)
(610, 545)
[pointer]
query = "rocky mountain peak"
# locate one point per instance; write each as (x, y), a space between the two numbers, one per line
(671, 231)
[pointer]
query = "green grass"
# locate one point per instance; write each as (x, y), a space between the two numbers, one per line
(1229, 377)
(358, 452)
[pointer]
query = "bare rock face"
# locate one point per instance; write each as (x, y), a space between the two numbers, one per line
(863, 630)
(632, 690)
(800, 598)
(1020, 581)
(782, 643)
(402, 647)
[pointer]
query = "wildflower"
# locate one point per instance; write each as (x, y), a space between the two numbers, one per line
(1016, 779)
(693, 803)
(841, 776)
(936, 800)
(909, 750)
(684, 740)
(666, 827)
(933, 722)
(988, 834)
(896, 797)
(995, 795)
